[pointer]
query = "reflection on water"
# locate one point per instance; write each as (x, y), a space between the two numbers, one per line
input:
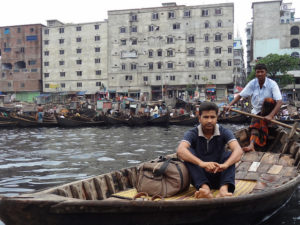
(33, 159)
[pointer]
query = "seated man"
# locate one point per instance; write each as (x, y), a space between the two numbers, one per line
(203, 150)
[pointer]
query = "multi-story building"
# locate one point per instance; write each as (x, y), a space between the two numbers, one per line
(171, 50)
(20, 61)
(275, 30)
(249, 47)
(75, 57)
(238, 63)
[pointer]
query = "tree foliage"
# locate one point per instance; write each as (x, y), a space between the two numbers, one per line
(278, 66)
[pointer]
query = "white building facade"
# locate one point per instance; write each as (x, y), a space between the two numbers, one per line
(74, 57)
(171, 51)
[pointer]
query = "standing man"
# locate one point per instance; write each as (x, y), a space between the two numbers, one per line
(203, 150)
(259, 89)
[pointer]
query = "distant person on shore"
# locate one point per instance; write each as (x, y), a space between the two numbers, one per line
(264, 92)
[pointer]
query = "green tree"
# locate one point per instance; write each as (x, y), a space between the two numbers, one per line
(278, 66)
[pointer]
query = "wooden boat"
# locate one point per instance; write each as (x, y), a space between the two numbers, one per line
(30, 121)
(269, 178)
(137, 120)
(8, 123)
(160, 121)
(185, 121)
(113, 120)
(73, 122)
(237, 119)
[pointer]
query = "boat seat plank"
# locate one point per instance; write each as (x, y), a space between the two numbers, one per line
(89, 189)
(275, 169)
(252, 156)
(77, 191)
(254, 166)
(270, 158)
(240, 175)
(101, 187)
(289, 172)
(110, 183)
(286, 160)
(263, 168)
(251, 176)
(244, 166)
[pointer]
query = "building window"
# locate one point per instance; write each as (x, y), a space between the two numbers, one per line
(171, 15)
(213, 76)
(218, 50)
(133, 17)
(133, 66)
(205, 12)
(191, 51)
(79, 73)
(150, 66)
(218, 63)
(6, 31)
(98, 84)
(159, 65)
(229, 63)
(123, 42)
(229, 36)
(197, 77)
(172, 77)
(78, 50)
(61, 52)
(62, 74)
(78, 61)
(206, 24)
(128, 77)
(170, 65)
(206, 37)
(219, 23)
(97, 60)
(294, 30)
(294, 43)
(191, 39)
(78, 28)
(122, 30)
(79, 84)
(134, 29)
(46, 53)
(97, 49)
(46, 75)
(78, 39)
(176, 26)
(154, 16)
(206, 51)
(61, 30)
(134, 41)
(145, 78)
(159, 52)
(187, 13)
(46, 31)
(218, 11)
(170, 40)
(218, 37)
(47, 85)
(191, 64)
(46, 42)
(22, 85)
(46, 63)
(61, 63)
(170, 52)
(206, 63)
(158, 78)
(123, 66)
(62, 85)
(150, 53)
(97, 38)
(98, 72)
(61, 41)
(96, 27)
(229, 50)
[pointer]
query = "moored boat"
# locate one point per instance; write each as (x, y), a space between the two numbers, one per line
(113, 120)
(270, 178)
(72, 122)
(30, 121)
(162, 120)
(184, 121)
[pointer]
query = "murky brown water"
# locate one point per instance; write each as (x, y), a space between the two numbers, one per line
(32, 159)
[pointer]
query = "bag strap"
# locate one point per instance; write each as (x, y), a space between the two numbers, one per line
(163, 168)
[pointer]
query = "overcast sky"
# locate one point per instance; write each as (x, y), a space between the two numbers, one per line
(19, 12)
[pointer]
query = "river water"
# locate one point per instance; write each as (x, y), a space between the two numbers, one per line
(36, 158)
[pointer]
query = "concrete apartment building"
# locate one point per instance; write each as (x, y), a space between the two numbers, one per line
(238, 63)
(275, 30)
(75, 57)
(171, 51)
(20, 61)
(249, 47)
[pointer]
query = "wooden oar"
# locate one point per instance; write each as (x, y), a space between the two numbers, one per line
(260, 117)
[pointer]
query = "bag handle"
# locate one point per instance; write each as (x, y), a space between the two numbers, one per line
(163, 168)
